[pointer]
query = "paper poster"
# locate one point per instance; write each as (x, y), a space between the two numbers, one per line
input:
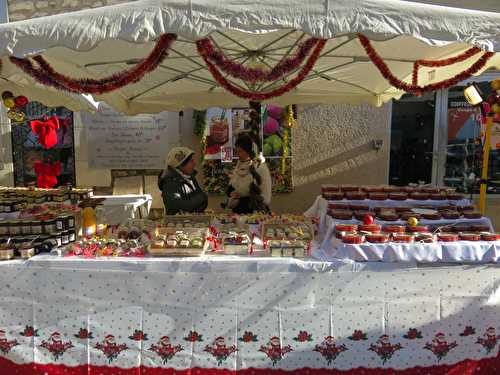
(463, 121)
(116, 141)
(495, 136)
(219, 132)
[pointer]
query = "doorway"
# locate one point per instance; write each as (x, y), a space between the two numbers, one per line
(412, 140)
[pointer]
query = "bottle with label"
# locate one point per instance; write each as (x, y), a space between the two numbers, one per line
(89, 222)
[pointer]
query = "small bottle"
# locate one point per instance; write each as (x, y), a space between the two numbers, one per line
(89, 222)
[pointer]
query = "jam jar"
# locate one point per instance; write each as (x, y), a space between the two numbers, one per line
(15, 228)
(36, 227)
(49, 226)
(60, 223)
(25, 227)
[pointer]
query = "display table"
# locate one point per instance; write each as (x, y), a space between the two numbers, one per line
(218, 315)
(117, 209)
(319, 208)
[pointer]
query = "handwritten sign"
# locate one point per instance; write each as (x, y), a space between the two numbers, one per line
(116, 141)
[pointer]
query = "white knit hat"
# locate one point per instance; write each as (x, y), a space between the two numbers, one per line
(178, 155)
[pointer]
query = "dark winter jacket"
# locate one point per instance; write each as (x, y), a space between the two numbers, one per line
(179, 195)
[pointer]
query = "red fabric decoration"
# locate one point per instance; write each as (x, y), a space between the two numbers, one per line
(46, 174)
(237, 70)
(46, 131)
(46, 75)
(440, 63)
(21, 101)
(416, 89)
(258, 96)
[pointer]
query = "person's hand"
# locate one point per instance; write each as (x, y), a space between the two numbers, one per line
(235, 195)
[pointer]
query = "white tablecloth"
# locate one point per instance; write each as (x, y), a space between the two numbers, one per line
(117, 209)
(236, 314)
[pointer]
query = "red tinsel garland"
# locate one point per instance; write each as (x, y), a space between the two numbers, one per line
(258, 96)
(416, 89)
(237, 70)
(46, 75)
(440, 63)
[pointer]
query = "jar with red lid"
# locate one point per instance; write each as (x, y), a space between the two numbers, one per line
(431, 190)
(394, 228)
(452, 215)
(490, 237)
(353, 238)
(403, 238)
(399, 196)
(341, 214)
(340, 234)
(378, 196)
(371, 228)
(355, 195)
(388, 216)
(338, 206)
(348, 188)
(359, 207)
(329, 188)
(425, 237)
(346, 227)
(479, 228)
(447, 237)
(372, 189)
(334, 196)
(419, 196)
(469, 236)
(466, 208)
(377, 237)
(417, 229)
(431, 216)
(472, 215)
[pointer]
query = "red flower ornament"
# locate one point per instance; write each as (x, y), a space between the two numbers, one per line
(46, 131)
(47, 174)
(84, 334)
(248, 337)
(138, 335)
(358, 335)
(468, 331)
(29, 331)
(193, 336)
(413, 334)
(303, 336)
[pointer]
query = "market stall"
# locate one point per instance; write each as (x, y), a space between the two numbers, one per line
(218, 294)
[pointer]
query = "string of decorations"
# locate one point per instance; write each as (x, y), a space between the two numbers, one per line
(15, 106)
(45, 74)
(440, 63)
(290, 122)
(240, 71)
(259, 96)
(416, 89)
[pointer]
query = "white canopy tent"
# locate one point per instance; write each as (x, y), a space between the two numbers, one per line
(99, 42)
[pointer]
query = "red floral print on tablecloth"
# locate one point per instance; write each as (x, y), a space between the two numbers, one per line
(329, 350)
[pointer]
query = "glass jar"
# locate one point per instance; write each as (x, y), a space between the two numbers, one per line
(36, 227)
(60, 223)
(57, 237)
(25, 227)
(14, 228)
(4, 228)
(8, 206)
(72, 235)
(71, 222)
(49, 226)
(65, 237)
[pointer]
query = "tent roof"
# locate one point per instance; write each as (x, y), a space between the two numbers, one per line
(98, 42)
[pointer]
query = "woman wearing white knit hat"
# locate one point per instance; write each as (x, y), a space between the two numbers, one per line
(180, 190)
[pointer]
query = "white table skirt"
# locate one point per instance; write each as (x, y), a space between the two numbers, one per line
(461, 252)
(247, 303)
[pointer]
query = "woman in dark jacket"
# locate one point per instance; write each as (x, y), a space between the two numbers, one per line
(180, 190)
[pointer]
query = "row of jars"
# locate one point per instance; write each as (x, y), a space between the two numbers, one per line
(36, 227)
(16, 203)
(40, 244)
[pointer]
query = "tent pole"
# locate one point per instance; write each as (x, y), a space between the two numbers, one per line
(486, 159)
